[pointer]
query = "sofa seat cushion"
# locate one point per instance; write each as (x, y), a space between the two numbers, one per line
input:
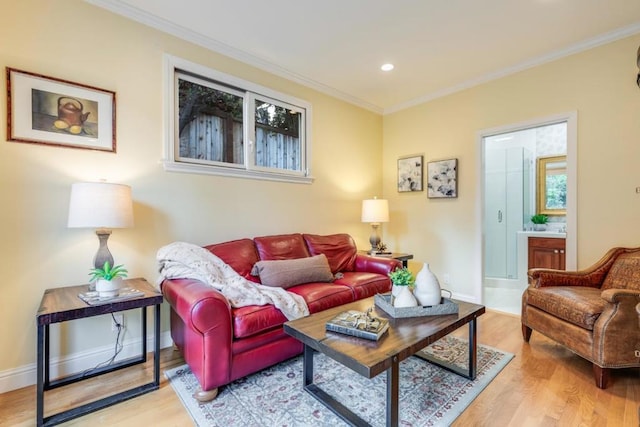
(283, 246)
(260, 351)
(624, 273)
(321, 296)
(290, 272)
(254, 319)
(256, 341)
(364, 285)
(576, 304)
(340, 249)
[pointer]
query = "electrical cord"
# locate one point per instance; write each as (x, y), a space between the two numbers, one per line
(119, 345)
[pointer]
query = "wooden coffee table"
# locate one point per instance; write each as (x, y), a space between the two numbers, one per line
(369, 358)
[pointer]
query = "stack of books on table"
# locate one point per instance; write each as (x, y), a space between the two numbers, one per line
(358, 324)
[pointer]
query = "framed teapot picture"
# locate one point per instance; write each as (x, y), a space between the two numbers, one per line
(46, 110)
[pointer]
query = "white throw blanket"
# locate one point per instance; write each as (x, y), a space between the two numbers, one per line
(185, 260)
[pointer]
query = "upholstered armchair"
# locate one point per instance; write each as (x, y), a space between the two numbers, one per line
(592, 312)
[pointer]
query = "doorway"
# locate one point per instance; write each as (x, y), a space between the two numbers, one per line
(509, 189)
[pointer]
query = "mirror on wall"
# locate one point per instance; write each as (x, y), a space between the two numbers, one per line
(552, 185)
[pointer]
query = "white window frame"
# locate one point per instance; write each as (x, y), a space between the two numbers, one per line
(176, 146)
(250, 91)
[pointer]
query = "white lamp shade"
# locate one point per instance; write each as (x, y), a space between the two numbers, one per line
(100, 205)
(375, 210)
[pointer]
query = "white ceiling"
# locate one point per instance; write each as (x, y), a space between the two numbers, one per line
(438, 47)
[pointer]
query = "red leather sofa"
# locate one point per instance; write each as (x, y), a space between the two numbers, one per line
(221, 344)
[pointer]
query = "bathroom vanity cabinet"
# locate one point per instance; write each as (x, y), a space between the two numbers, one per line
(547, 252)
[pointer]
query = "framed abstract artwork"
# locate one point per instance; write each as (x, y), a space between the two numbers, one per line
(410, 174)
(46, 110)
(442, 179)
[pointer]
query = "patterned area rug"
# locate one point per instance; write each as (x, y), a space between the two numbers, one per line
(429, 395)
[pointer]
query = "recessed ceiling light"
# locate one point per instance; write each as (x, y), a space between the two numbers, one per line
(386, 67)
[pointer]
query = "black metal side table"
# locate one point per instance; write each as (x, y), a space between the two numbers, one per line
(63, 304)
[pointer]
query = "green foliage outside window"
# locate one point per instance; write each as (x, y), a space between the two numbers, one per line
(279, 119)
(556, 191)
(197, 99)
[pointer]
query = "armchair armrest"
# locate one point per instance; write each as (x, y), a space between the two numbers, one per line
(371, 264)
(616, 330)
(617, 295)
(543, 277)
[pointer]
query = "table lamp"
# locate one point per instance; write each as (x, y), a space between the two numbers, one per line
(375, 211)
(102, 206)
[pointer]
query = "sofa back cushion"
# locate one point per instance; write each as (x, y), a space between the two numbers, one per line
(241, 255)
(340, 249)
(284, 246)
(624, 273)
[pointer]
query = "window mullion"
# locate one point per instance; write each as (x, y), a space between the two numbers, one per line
(250, 130)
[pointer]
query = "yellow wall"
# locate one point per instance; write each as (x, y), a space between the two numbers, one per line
(78, 42)
(599, 84)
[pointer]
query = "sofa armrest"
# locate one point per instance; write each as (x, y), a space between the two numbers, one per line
(200, 306)
(207, 331)
(371, 264)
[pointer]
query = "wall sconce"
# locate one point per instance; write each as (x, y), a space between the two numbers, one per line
(375, 211)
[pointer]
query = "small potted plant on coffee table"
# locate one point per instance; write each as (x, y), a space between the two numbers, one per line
(402, 280)
(108, 279)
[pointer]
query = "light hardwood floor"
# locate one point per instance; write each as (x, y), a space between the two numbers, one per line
(544, 385)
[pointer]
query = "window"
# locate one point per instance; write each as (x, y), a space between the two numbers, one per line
(219, 124)
(210, 122)
(277, 135)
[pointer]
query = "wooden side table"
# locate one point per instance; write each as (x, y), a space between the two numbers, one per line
(63, 304)
(404, 258)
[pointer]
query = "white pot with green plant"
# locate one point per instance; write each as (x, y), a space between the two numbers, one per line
(402, 280)
(539, 222)
(108, 279)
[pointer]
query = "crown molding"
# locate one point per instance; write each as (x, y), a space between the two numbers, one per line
(550, 57)
(165, 26)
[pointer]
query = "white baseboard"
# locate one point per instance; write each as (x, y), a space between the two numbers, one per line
(464, 297)
(24, 376)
